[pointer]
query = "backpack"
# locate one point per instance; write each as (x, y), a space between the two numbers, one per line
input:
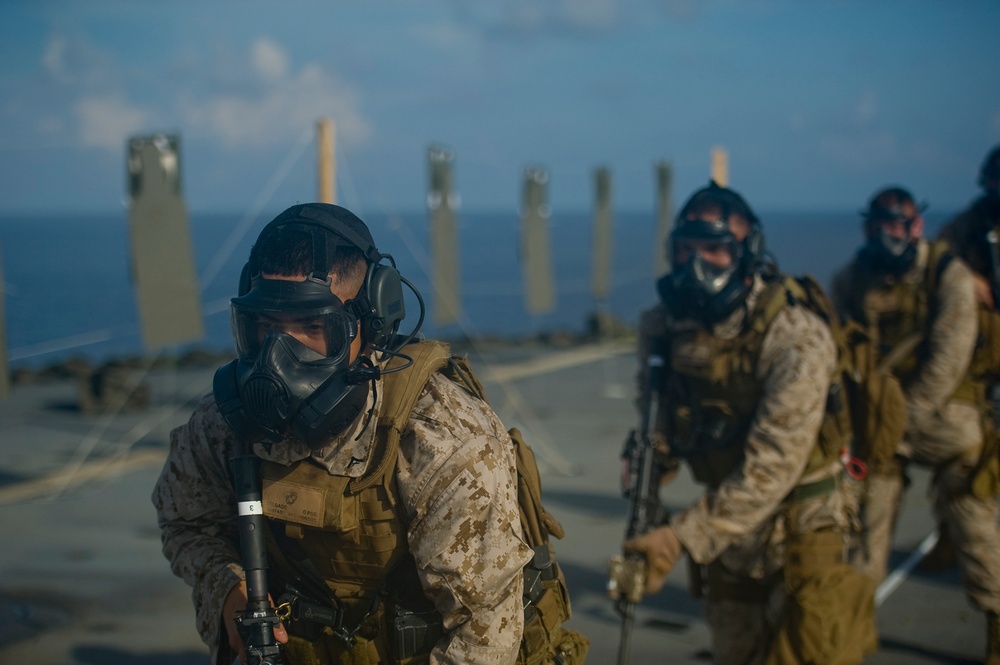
(866, 408)
(546, 598)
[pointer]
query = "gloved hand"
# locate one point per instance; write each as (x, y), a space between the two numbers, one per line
(662, 550)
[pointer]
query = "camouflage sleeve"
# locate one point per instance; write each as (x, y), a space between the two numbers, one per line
(458, 481)
(196, 512)
(951, 341)
(797, 359)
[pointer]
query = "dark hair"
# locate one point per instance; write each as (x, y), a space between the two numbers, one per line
(288, 250)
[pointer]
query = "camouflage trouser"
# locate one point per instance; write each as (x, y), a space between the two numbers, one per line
(743, 613)
(878, 509)
(742, 630)
(950, 445)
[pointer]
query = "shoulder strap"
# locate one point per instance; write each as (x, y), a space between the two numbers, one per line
(400, 391)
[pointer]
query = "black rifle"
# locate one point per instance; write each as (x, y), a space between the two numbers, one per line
(628, 572)
(257, 622)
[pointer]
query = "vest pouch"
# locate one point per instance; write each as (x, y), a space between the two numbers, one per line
(545, 640)
(985, 364)
(413, 635)
(329, 650)
(877, 409)
(985, 477)
(829, 612)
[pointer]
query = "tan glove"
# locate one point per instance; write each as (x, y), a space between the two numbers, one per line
(662, 550)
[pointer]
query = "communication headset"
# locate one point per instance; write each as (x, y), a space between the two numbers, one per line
(379, 303)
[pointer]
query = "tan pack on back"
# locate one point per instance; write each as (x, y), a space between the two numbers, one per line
(866, 404)
(544, 641)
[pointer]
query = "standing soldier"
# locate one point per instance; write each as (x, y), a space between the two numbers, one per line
(918, 304)
(974, 237)
(747, 373)
(969, 234)
(391, 492)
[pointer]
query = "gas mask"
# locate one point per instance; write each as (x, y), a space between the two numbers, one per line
(280, 386)
(890, 254)
(697, 288)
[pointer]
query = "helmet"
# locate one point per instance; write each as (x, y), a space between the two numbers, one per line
(883, 251)
(697, 288)
(279, 385)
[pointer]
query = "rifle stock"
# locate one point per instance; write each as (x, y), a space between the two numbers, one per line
(627, 577)
(255, 624)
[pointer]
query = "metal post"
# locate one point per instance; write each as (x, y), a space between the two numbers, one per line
(326, 161)
(442, 204)
(603, 236)
(162, 258)
(720, 166)
(664, 218)
(539, 284)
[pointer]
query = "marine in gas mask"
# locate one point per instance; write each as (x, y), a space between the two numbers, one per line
(717, 246)
(974, 234)
(373, 464)
(305, 324)
(893, 224)
(746, 374)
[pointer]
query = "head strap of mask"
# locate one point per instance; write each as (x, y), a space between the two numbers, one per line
(379, 303)
(287, 388)
(677, 290)
(883, 252)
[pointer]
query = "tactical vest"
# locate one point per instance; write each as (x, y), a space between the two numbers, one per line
(899, 314)
(712, 393)
(339, 546)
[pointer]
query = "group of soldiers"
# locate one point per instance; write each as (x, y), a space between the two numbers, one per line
(788, 545)
(395, 500)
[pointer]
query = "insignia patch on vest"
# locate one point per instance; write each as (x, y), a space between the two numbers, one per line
(294, 503)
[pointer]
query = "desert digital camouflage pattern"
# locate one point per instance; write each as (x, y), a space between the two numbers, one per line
(941, 432)
(456, 477)
(740, 526)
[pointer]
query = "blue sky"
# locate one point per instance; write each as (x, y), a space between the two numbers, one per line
(819, 102)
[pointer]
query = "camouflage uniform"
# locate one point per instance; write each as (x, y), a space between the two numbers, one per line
(456, 477)
(942, 431)
(739, 527)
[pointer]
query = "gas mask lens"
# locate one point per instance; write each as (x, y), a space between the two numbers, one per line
(327, 333)
(708, 264)
(895, 244)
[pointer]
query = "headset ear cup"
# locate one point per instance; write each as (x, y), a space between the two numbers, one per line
(385, 293)
(755, 243)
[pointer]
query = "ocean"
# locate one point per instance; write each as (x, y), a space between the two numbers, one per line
(68, 292)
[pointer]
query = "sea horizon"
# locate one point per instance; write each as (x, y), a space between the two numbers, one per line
(68, 293)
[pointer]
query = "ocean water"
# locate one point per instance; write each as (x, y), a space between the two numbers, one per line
(68, 292)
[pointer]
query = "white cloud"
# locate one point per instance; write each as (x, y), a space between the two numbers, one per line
(861, 152)
(269, 60)
(106, 122)
(52, 59)
(280, 106)
(867, 108)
